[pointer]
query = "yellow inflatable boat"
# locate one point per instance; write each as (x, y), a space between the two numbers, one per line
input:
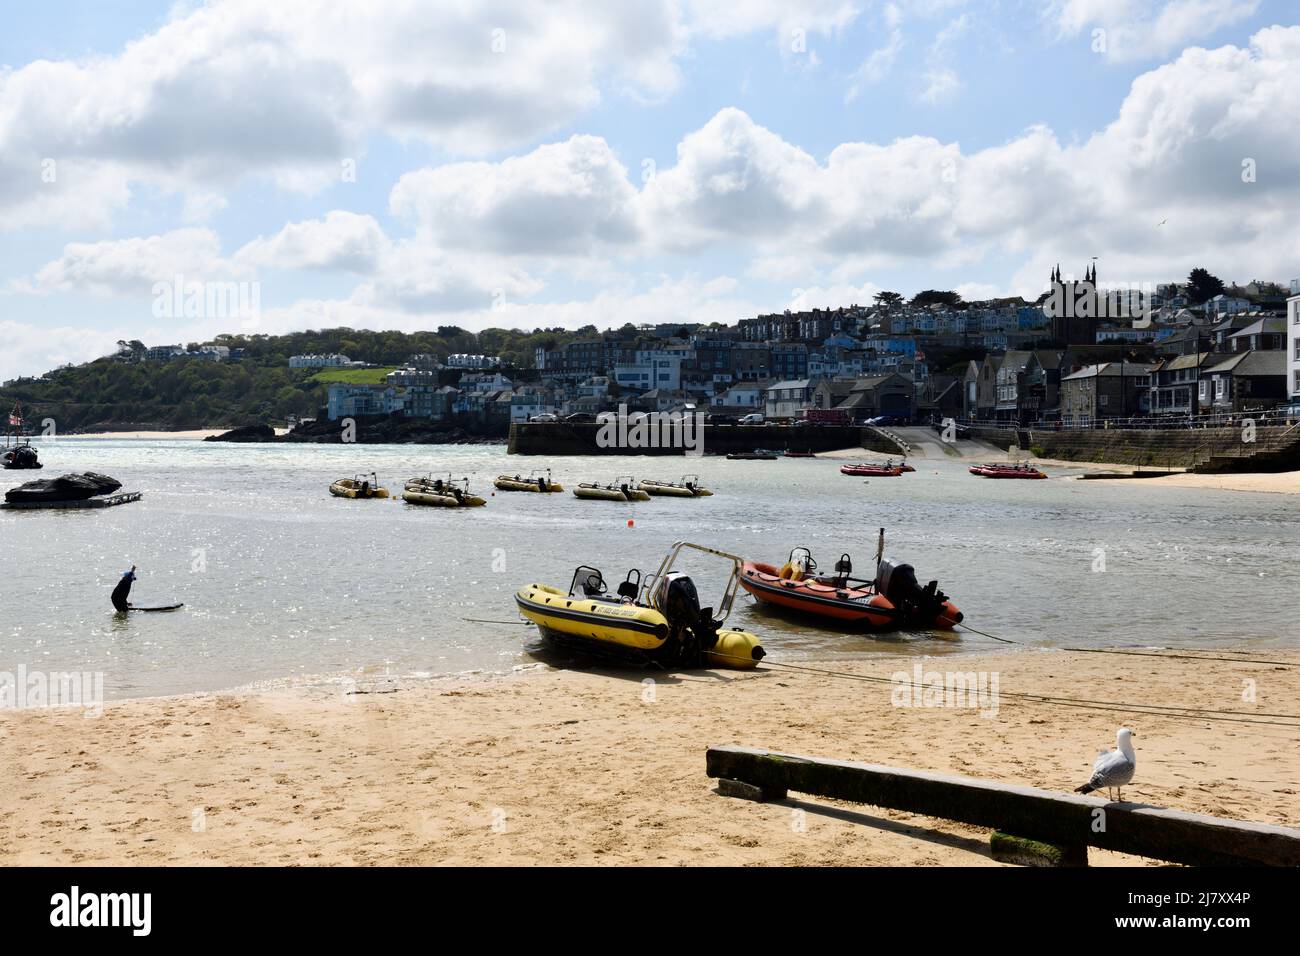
(358, 487)
(623, 488)
(688, 487)
(441, 493)
(534, 482)
(658, 620)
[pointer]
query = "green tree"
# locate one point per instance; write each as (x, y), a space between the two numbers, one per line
(936, 297)
(1202, 286)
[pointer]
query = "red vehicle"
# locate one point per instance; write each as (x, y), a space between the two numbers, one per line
(1006, 471)
(865, 469)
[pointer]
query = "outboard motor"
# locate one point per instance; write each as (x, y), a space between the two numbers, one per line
(917, 606)
(692, 626)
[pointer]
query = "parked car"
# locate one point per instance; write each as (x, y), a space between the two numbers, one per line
(580, 418)
(545, 417)
(753, 418)
(884, 421)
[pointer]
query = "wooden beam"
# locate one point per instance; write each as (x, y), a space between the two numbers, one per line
(1194, 839)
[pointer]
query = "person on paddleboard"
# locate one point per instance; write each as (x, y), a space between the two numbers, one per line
(123, 591)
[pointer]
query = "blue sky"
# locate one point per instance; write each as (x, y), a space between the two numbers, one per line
(803, 153)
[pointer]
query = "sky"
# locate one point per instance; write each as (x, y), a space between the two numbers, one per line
(404, 165)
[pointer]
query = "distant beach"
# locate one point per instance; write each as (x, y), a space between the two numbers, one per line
(195, 434)
(567, 767)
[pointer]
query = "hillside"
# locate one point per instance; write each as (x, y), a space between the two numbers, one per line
(191, 393)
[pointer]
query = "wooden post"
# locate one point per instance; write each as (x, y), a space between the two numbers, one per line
(1065, 819)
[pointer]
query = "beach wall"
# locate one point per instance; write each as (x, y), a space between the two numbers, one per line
(565, 438)
(1218, 449)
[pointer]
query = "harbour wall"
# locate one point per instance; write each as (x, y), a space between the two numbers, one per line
(566, 438)
(1217, 449)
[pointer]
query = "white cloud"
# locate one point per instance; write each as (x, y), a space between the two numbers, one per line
(733, 178)
(784, 16)
(940, 84)
(342, 241)
(130, 267)
(29, 348)
(570, 198)
(876, 66)
(488, 239)
(240, 88)
(1134, 29)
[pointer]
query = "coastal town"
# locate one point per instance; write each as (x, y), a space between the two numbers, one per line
(1171, 354)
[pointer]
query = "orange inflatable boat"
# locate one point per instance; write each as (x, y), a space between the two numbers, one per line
(893, 599)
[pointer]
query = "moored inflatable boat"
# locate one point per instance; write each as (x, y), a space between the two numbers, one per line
(688, 487)
(893, 599)
(657, 621)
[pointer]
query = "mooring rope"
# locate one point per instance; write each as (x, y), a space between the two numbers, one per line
(1111, 650)
(1154, 710)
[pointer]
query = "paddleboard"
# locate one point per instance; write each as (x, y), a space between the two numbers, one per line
(165, 607)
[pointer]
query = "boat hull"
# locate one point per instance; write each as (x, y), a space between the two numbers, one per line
(341, 489)
(417, 496)
(851, 607)
(596, 493)
(666, 490)
(1031, 474)
(870, 471)
(506, 483)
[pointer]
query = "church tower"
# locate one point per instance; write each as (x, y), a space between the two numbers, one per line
(1075, 307)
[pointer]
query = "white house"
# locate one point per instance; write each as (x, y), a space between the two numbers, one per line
(743, 397)
(788, 398)
(348, 401)
(319, 361)
(652, 369)
(1222, 305)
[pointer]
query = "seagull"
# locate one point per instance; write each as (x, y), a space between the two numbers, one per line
(1113, 768)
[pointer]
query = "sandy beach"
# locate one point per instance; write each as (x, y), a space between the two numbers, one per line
(550, 766)
(196, 434)
(1284, 482)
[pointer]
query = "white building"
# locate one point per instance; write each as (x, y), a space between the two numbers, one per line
(787, 399)
(526, 403)
(743, 396)
(1293, 341)
(349, 401)
(319, 361)
(651, 370)
(1222, 305)
(464, 360)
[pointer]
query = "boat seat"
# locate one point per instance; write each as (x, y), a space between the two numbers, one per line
(628, 590)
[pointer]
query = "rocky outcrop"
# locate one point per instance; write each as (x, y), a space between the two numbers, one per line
(246, 433)
(64, 488)
(371, 430)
